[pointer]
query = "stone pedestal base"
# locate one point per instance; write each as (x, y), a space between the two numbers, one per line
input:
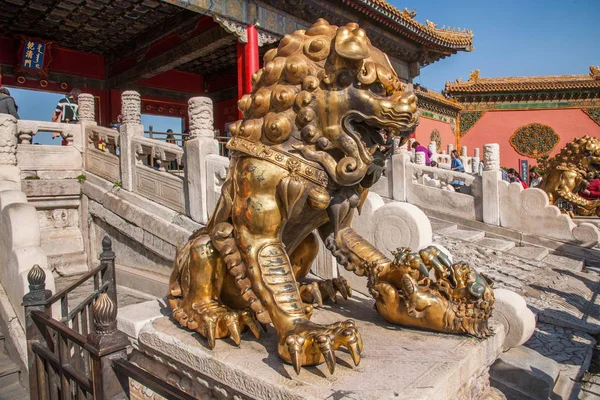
(396, 363)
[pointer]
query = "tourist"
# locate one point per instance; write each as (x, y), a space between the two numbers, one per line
(170, 136)
(513, 176)
(7, 103)
(418, 148)
(67, 109)
(456, 164)
(116, 124)
(433, 164)
(592, 191)
(535, 179)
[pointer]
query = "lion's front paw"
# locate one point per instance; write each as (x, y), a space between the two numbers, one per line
(319, 291)
(315, 344)
(215, 321)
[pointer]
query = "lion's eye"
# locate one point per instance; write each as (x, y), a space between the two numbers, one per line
(377, 88)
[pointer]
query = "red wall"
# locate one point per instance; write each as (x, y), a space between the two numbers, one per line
(225, 111)
(426, 125)
(499, 126)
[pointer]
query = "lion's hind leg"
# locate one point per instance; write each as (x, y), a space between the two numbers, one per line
(194, 295)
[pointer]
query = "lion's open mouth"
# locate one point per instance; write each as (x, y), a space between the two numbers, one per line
(373, 133)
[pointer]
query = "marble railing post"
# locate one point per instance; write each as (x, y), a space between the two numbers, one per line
(450, 148)
(491, 178)
(8, 140)
(201, 144)
(433, 148)
(400, 175)
(420, 158)
(130, 128)
(87, 117)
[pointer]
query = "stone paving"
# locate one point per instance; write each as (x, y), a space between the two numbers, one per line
(562, 295)
(570, 348)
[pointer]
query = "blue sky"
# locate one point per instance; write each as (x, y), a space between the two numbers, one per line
(512, 38)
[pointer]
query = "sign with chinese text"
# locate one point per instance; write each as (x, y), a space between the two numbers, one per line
(525, 171)
(33, 54)
(34, 57)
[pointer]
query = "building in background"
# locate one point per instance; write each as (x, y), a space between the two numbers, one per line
(528, 116)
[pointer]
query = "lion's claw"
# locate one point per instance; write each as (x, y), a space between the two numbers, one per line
(215, 321)
(317, 344)
(319, 291)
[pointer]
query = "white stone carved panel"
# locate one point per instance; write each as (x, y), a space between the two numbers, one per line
(58, 218)
(162, 187)
(216, 172)
(103, 164)
(529, 210)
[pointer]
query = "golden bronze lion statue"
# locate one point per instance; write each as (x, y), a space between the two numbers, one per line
(302, 158)
(570, 171)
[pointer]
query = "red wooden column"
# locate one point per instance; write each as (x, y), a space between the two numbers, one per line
(240, 72)
(251, 55)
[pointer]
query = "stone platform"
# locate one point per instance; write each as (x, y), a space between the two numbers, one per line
(396, 363)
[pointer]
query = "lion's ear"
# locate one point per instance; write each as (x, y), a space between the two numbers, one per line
(351, 42)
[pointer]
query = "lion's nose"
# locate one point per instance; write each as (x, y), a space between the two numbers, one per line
(409, 98)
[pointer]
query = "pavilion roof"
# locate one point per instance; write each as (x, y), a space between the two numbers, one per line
(433, 96)
(428, 34)
(477, 85)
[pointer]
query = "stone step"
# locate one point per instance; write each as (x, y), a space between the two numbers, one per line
(530, 252)
(565, 389)
(495, 244)
(523, 374)
(69, 264)
(466, 235)
(13, 392)
(564, 262)
(442, 227)
(9, 372)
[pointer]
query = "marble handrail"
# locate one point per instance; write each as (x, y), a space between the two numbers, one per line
(26, 129)
(162, 152)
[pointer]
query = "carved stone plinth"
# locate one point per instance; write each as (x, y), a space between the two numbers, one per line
(397, 363)
(8, 140)
(131, 107)
(433, 147)
(491, 157)
(86, 107)
(201, 117)
(420, 158)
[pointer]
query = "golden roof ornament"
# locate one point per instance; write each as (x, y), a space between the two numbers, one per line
(410, 14)
(474, 76)
(595, 71)
(430, 24)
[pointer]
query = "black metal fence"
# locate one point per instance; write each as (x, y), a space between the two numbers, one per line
(70, 357)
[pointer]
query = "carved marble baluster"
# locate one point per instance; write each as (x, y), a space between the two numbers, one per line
(8, 140)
